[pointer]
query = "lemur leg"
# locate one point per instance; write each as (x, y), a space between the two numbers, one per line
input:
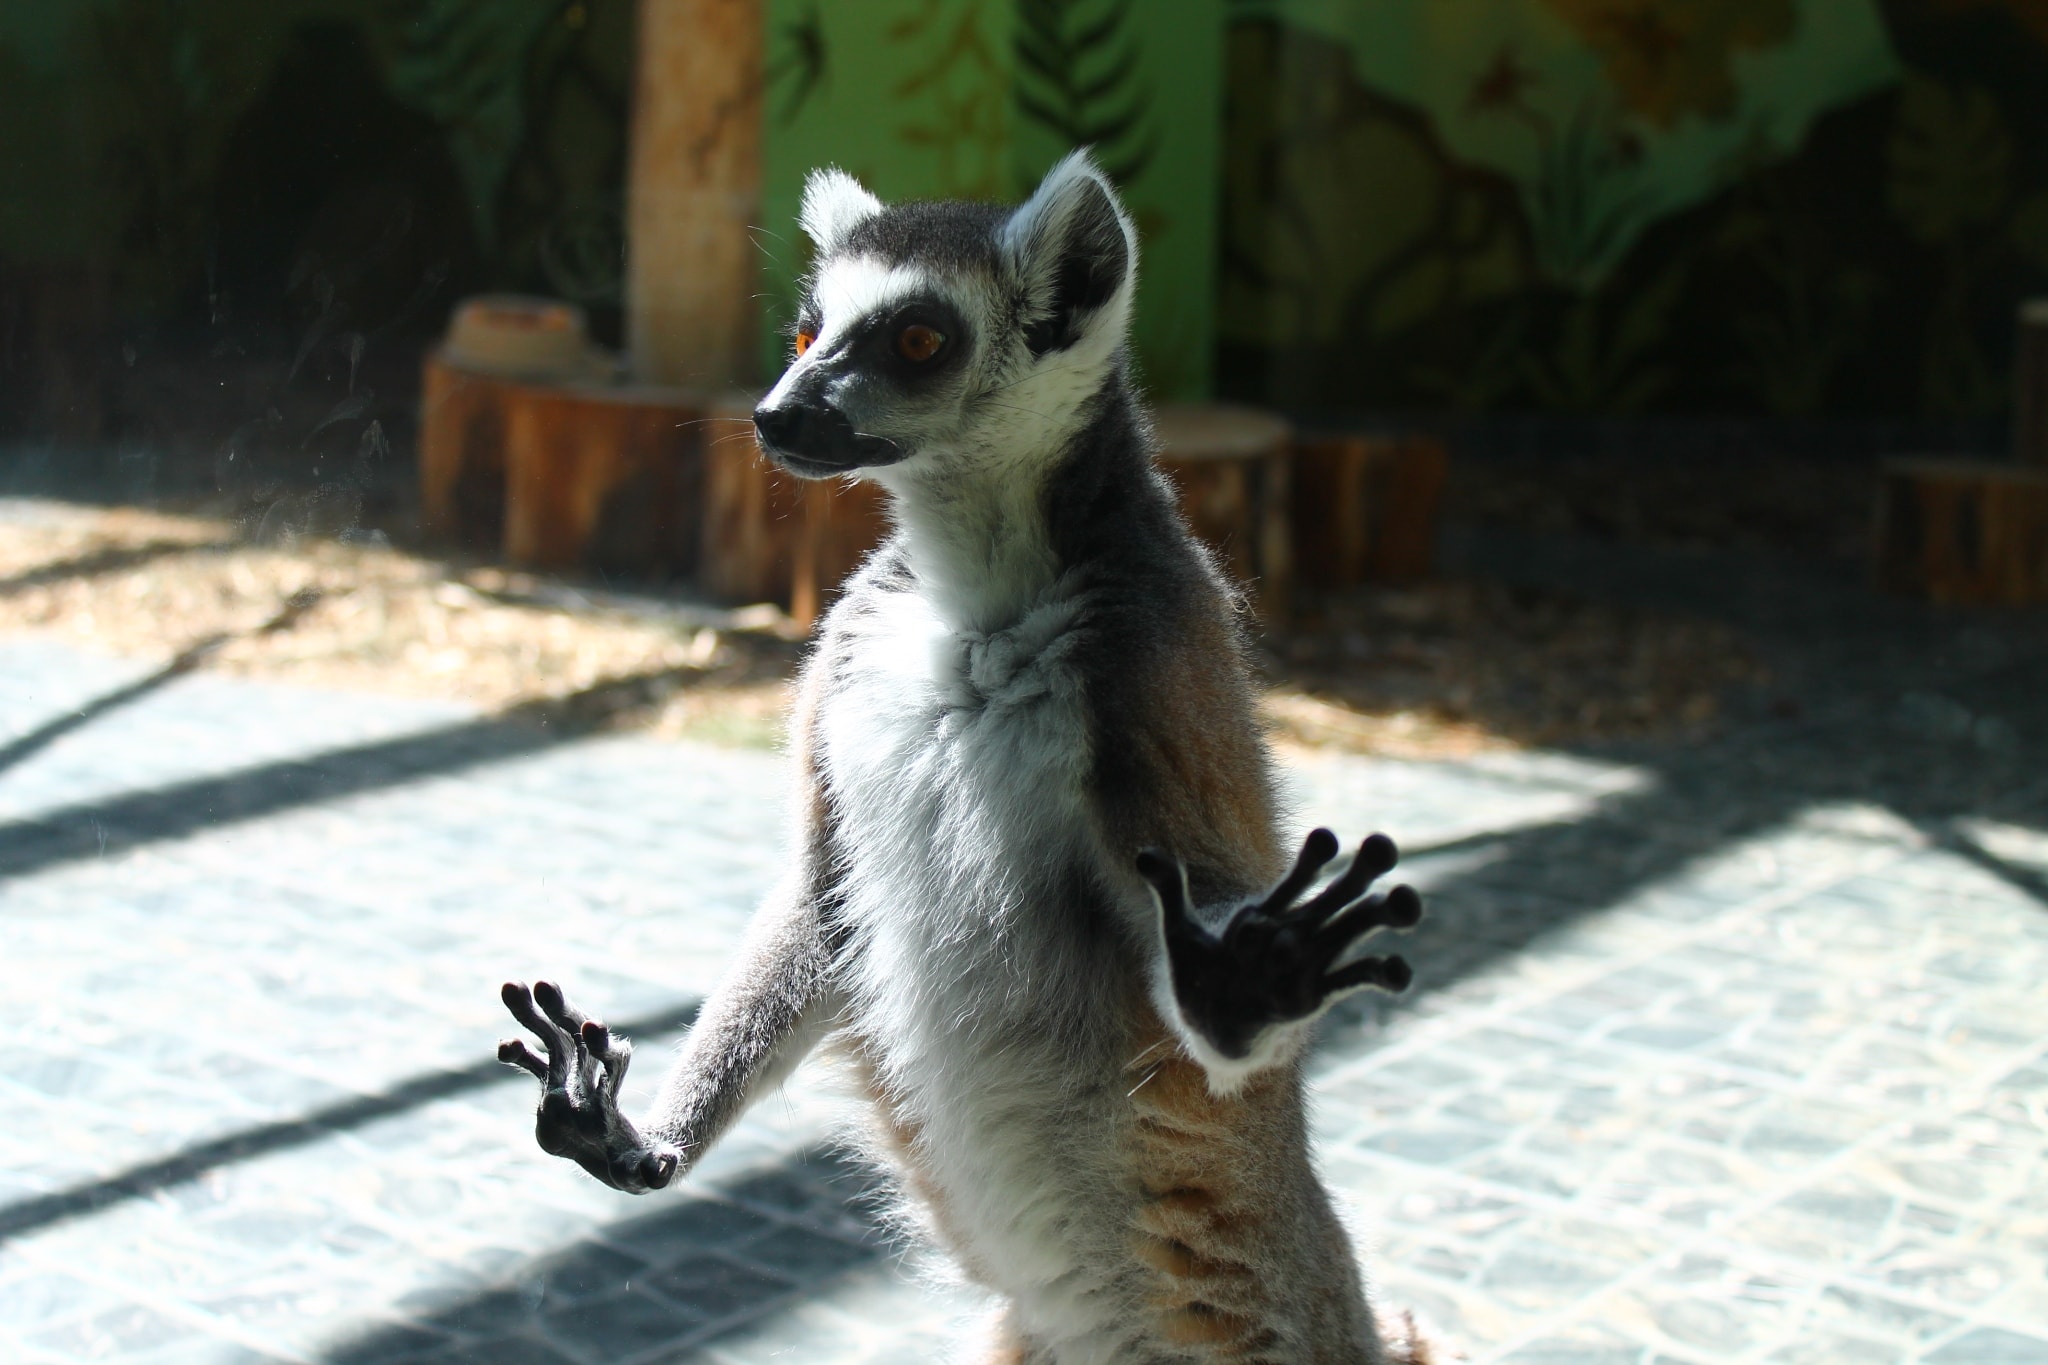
(751, 1033)
(1242, 993)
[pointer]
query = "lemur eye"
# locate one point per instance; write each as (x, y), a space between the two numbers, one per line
(804, 340)
(918, 343)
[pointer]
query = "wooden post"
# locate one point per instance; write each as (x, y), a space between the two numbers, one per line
(1963, 530)
(693, 193)
(606, 476)
(1365, 508)
(2030, 386)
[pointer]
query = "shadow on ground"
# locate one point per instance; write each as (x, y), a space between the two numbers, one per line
(780, 1235)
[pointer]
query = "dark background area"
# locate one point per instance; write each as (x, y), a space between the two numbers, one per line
(232, 230)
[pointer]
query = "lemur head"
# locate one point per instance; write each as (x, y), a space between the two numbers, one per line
(935, 336)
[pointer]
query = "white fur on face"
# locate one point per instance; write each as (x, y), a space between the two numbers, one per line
(834, 205)
(848, 292)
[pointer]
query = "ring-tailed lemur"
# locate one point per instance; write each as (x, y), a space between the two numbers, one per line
(1040, 897)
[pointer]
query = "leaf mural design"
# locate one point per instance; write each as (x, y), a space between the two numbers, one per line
(802, 63)
(1950, 160)
(1592, 368)
(1588, 197)
(956, 89)
(1078, 76)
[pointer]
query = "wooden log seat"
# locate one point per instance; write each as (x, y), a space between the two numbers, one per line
(1365, 508)
(462, 454)
(494, 343)
(1957, 530)
(604, 476)
(769, 536)
(752, 511)
(1233, 466)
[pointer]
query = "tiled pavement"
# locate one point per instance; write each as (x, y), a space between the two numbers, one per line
(1714, 1056)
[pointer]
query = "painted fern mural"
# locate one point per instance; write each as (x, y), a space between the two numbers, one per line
(1080, 77)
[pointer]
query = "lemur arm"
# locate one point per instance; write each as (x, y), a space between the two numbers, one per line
(752, 1031)
(1239, 973)
(761, 1020)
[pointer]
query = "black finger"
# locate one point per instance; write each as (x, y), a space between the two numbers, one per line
(615, 1053)
(1375, 858)
(589, 1060)
(1403, 908)
(1316, 851)
(1387, 973)
(514, 1052)
(657, 1169)
(565, 1015)
(561, 1047)
(1399, 908)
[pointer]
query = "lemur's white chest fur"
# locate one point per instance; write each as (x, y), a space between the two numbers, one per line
(957, 764)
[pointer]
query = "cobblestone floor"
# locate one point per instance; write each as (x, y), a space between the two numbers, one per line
(1728, 1054)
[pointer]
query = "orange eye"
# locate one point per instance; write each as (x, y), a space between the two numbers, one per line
(804, 340)
(918, 343)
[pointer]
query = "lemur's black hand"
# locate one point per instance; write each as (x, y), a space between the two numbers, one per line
(1271, 962)
(579, 1115)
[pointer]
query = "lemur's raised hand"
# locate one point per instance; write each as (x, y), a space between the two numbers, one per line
(1093, 1100)
(1272, 962)
(579, 1114)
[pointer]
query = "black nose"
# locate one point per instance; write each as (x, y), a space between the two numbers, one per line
(814, 440)
(801, 429)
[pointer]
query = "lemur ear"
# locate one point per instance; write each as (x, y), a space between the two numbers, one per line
(834, 205)
(1076, 252)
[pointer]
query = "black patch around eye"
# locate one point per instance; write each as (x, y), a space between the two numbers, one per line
(878, 341)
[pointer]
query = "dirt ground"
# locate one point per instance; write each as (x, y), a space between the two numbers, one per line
(1435, 669)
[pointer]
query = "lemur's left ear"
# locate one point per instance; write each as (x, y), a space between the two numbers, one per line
(834, 205)
(1075, 249)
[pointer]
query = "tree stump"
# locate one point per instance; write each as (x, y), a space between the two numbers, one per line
(601, 475)
(1959, 531)
(772, 537)
(843, 522)
(2030, 386)
(462, 454)
(494, 344)
(1232, 466)
(752, 512)
(1365, 508)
